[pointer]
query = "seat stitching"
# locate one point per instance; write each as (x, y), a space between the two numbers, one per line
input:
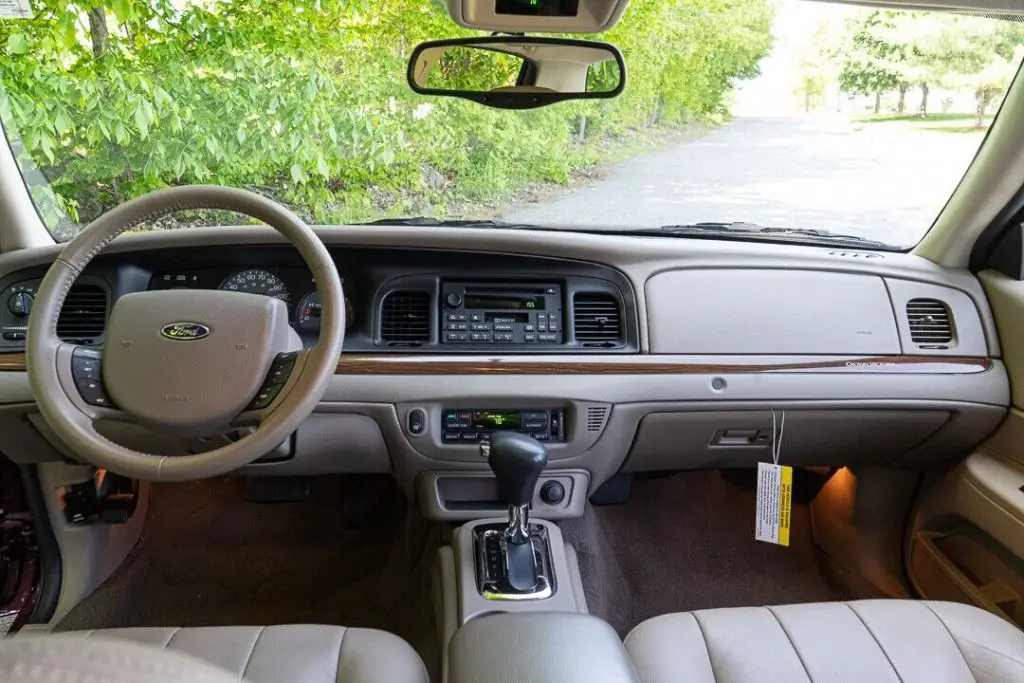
(951, 637)
(174, 633)
(337, 663)
(875, 638)
(707, 645)
(792, 643)
(255, 642)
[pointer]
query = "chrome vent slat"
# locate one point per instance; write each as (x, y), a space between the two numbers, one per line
(596, 318)
(405, 317)
(930, 322)
(83, 317)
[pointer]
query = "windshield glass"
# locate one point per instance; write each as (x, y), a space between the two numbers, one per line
(787, 114)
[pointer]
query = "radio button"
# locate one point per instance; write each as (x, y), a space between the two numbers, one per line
(453, 300)
(452, 317)
(458, 327)
(476, 317)
(482, 337)
(542, 327)
(530, 338)
(548, 337)
(480, 328)
(456, 337)
(504, 337)
(503, 327)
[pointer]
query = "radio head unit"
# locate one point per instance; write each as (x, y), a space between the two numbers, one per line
(482, 313)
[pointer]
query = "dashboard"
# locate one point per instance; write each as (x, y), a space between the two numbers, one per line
(623, 354)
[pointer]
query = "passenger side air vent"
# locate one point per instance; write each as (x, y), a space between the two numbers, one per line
(597, 320)
(84, 315)
(595, 418)
(931, 325)
(405, 318)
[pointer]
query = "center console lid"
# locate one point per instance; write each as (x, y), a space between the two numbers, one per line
(540, 647)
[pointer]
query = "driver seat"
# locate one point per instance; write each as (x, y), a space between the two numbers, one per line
(277, 654)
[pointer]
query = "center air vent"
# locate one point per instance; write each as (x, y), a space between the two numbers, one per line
(597, 320)
(405, 318)
(931, 326)
(84, 315)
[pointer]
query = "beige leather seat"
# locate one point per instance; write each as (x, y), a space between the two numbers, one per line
(280, 654)
(869, 641)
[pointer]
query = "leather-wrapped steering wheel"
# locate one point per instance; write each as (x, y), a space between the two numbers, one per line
(186, 363)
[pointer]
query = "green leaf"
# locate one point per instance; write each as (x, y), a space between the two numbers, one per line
(240, 135)
(298, 175)
(141, 122)
(122, 9)
(17, 44)
(62, 124)
(211, 146)
(321, 166)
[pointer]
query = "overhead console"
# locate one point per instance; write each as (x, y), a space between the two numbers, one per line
(538, 16)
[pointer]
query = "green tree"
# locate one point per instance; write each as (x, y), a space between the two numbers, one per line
(870, 60)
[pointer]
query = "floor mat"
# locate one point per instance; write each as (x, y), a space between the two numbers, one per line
(207, 557)
(686, 542)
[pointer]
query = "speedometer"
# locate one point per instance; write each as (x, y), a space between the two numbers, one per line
(257, 281)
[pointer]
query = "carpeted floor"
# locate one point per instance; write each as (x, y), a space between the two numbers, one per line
(208, 557)
(686, 542)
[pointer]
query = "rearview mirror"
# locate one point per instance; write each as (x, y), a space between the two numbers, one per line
(517, 72)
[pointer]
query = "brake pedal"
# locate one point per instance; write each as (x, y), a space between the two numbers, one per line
(277, 489)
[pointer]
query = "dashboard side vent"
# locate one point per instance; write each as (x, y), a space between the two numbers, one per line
(596, 416)
(84, 315)
(405, 318)
(597, 320)
(931, 325)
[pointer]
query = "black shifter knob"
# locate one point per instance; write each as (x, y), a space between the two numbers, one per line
(517, 461)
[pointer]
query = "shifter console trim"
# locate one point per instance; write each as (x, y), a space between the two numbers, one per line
(492, 564)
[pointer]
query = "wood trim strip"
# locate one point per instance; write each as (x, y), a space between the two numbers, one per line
(353, 364)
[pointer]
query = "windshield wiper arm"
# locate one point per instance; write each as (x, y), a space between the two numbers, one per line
(752, 231)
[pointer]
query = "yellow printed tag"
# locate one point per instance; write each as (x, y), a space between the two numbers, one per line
(774, 503)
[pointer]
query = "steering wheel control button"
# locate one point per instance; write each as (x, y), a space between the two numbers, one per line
(87, 372)
(277, 376)
(417, 420)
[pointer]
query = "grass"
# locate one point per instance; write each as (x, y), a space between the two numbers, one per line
(915, 118)
(956, 129)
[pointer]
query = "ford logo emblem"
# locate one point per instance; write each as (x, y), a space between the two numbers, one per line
(185, 331)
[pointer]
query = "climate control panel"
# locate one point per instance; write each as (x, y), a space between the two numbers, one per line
(472, 425)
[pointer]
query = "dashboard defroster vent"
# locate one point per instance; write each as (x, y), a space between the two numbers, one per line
(931, 325)
(84, 315)
(597, 320)
(405, 318)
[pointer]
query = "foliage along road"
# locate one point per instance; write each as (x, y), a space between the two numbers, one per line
(882, 181)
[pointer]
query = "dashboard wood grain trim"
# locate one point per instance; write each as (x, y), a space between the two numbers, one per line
(353, 364)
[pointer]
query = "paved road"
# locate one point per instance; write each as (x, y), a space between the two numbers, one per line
(883, 181)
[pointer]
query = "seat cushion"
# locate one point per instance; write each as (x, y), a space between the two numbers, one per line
(294, 653)
(882, 641)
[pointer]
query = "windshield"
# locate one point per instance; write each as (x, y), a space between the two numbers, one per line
(790, 115)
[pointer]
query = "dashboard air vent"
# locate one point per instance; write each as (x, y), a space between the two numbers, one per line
(405, 318)
(595, 418)
(931, 325)
(84, 315)
(597, 320)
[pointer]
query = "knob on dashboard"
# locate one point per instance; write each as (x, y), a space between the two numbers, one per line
(453, 300)
(20, 304)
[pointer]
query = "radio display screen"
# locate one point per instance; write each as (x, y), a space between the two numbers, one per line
(497, 419)
(478, 302)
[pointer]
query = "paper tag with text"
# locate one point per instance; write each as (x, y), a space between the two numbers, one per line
(774, 503)
(15, 9)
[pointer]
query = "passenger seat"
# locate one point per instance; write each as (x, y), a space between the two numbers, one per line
(876, 641)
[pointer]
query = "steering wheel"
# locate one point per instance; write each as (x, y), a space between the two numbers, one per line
(188, 363)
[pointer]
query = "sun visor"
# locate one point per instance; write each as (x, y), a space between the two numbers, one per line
(538, 16)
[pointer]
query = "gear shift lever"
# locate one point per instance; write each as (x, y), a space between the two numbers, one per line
(517, 461)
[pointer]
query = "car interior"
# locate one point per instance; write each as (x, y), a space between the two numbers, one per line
(488, 454)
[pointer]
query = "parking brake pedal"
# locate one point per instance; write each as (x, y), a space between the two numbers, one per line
(277, 489)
